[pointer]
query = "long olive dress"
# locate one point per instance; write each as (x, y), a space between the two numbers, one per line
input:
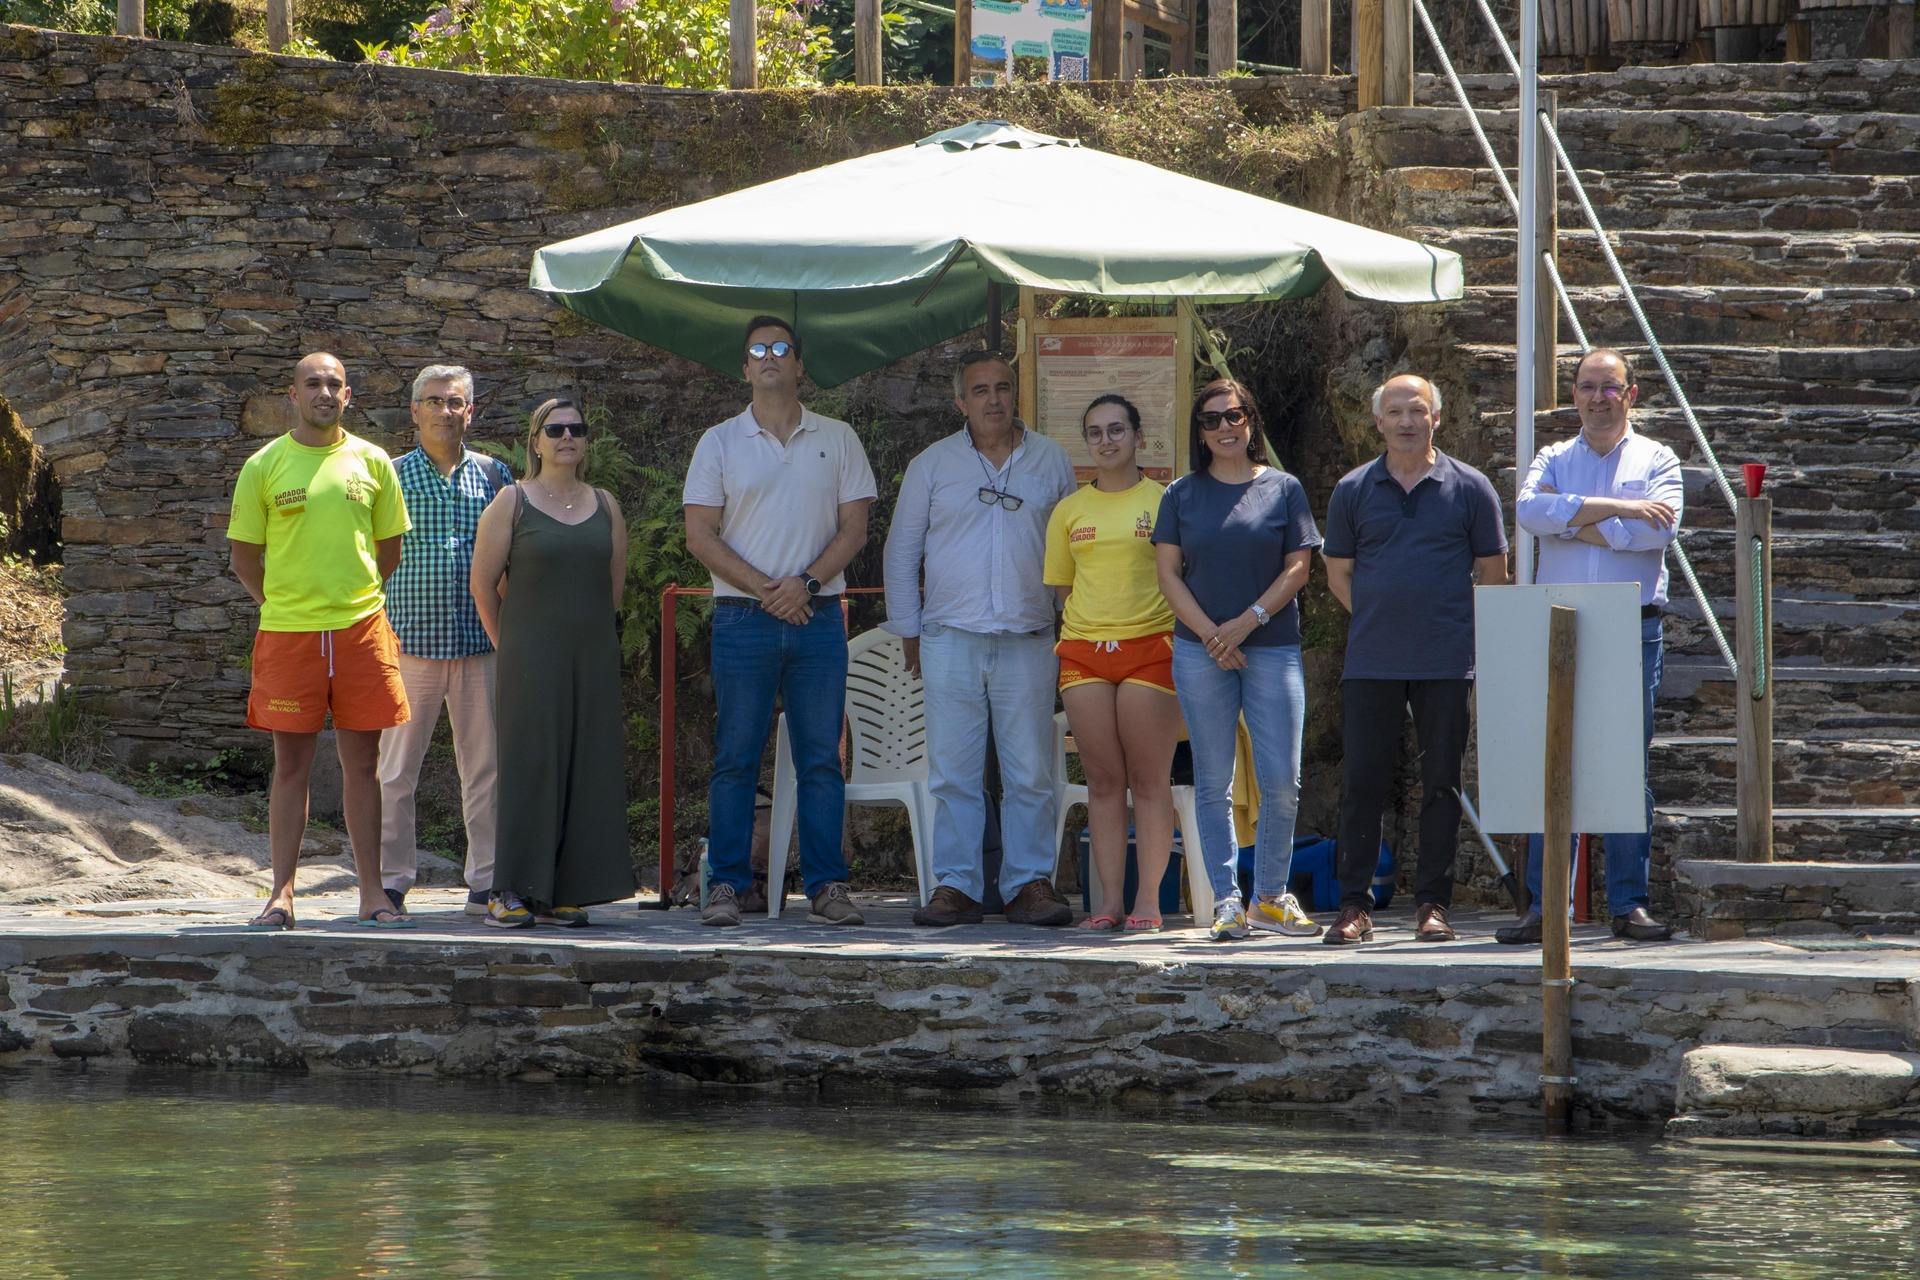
(562, 833)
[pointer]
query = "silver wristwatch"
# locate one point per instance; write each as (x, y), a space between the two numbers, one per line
(1260, 615)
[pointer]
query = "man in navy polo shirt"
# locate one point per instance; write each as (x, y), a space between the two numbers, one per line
(1407, 537)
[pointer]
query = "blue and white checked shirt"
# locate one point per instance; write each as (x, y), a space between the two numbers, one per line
(429, 602)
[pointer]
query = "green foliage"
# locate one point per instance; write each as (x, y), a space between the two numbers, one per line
(916, 47)
(250, 104)
(229, 771)
(678, 43)
(166, 19)
(56, 727)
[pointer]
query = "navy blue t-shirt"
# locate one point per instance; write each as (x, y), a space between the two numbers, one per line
(1413, 555)
(1234, 540)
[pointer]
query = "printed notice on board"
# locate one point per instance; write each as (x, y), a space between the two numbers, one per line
(1072, 369)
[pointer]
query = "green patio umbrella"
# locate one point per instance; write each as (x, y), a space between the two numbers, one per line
(881, 256)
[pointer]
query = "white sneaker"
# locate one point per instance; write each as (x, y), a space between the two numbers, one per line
(1229, 920)
(1283, 915)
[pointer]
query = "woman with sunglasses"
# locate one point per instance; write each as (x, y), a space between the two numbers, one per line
(1116, 662)
(549, 567)
(1234, 541)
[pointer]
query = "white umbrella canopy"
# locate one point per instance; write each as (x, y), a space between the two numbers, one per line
(880, 256)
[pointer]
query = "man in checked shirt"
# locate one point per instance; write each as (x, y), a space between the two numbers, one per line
(445, 656)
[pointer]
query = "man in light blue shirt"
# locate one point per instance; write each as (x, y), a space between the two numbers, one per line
(972, 513)
(1604, 506)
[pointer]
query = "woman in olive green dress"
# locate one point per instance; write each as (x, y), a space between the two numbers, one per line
(549, 564)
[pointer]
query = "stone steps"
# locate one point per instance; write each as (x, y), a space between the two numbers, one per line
(1720, 900)
(1692, 257)
(1808, 632)
(1787, 437)
(1874, 142)
(1829, 86)
(1697, 699)
(1851, 834)
(1845, 563)
(1824, 772)
(1840, 376)
(1696, 315)
(1460, 194)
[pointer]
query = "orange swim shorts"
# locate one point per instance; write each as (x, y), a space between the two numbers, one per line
(300, 676)
(1145, 660)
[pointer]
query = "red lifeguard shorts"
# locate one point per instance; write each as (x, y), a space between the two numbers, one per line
(300, 676)
(1145, 660)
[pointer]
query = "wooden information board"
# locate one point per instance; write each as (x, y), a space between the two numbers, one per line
(1148, 359)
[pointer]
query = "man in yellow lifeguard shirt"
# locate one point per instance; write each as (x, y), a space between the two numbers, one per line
(315, 532)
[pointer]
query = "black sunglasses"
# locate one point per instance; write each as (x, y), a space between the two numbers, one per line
(1231, 417)
(778, 350)
(555, 430)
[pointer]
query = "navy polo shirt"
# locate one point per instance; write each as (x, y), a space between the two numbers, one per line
(1413, 554)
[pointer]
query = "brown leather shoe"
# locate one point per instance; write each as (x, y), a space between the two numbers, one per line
(949, 906)
(1352, 928)
(1038, 902)
(1430, 924)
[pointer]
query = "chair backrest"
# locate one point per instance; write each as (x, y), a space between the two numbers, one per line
(886, 711)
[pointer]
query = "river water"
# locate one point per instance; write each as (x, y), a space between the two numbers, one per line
(208, 1175)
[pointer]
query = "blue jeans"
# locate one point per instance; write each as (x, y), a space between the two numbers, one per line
(1005, 682)
(755, 656)
(1271, 692)
(1627, 854)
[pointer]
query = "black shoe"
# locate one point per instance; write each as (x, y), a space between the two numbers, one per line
(1524, 934)
(398, 897)
(1624, 927)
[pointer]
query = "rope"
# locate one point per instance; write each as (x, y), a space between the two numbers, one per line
(1706, 606)
(1756, 570)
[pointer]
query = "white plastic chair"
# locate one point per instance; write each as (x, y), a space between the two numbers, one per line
(1068, 795)
(887, 728)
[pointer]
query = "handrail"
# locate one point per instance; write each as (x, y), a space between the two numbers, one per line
(1682, 562)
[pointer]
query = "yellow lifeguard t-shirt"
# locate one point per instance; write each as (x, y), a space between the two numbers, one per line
(319, 512)
(1100, 544)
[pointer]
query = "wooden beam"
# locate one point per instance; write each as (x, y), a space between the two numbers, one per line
(1900, 30)
(1556, 966)
(1316, 37)
(1546, 303)
(1109, 38)
(1223, 36)
(742, 39)
(1753, 685)
(866, 40)
(1799, 41)
(279, 24)
(132, 20)
(1396, 56)
(1368, 68)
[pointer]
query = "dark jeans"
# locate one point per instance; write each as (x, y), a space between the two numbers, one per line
(755, 657)
(1372, 712)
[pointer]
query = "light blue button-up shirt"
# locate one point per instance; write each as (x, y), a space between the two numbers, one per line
(1637, 469)
(983, 563)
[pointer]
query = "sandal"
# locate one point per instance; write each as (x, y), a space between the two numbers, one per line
(1143, 924)
(385, 918)
(274, 918)
(1100, 924)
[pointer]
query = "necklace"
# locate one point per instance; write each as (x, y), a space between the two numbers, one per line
(554, 497)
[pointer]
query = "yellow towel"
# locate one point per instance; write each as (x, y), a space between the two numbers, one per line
(1246, 789)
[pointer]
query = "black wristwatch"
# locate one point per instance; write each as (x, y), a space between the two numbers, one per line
(812, 584)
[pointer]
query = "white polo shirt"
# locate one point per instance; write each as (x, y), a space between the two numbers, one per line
(780, 504)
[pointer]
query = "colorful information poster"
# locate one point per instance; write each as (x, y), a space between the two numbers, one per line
(1057, 33)
(1072, 369)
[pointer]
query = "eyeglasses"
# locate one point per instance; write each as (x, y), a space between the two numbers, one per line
(778, 350)
(1112, 431)
(555, 430)
(453, 404)
(1007, 501)
(1611, 390)
(1213, 421)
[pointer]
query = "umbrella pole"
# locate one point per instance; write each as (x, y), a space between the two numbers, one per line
(993, 316)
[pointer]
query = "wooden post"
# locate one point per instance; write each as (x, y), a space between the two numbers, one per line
(962, 42)
(742, 44)
(1109, 38)
(279, 24)
(1753, 685)
(133, 18)
(1369, 71)
(866, 41)
(1556, 967)
(1316, 37)
(1396, 54)
(1799, 41)
(1546, 303)
(994, 311)
(1223, 36)
(1900, 30)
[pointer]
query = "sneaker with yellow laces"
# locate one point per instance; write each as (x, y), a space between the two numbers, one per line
(1283, 915)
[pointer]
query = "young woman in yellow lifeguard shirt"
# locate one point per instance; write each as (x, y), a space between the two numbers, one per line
(1116, 662)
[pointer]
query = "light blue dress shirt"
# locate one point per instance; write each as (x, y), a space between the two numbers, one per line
(1637, 469)
(983, 563)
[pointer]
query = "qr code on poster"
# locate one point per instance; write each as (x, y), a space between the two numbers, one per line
(1070, 66)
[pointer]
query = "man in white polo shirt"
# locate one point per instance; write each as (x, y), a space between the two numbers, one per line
(776, 507)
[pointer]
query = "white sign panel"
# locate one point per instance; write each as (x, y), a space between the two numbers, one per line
(1510, 688)
(1057, 32)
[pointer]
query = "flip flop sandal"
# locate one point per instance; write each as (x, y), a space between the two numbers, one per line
(1100, 924)
(384, 918)
(277, 919)
(1143, 924)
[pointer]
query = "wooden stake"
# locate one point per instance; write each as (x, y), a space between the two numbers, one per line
(1556, 967)
(962, 42)
(742, 41)
(1223, 36)
(1316, 37)
(1396, 53)
(866, 41)
(279, 24)
(1546, 303)
(1109, 38)
(1753, 686)
(1900, 30)
(1369, 70)
(132, 19)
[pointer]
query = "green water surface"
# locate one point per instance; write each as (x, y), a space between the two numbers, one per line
(215, 1176)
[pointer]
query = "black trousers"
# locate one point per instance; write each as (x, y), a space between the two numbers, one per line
(1372, 713)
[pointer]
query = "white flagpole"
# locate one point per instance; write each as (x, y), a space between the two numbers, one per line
(1527, 263)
